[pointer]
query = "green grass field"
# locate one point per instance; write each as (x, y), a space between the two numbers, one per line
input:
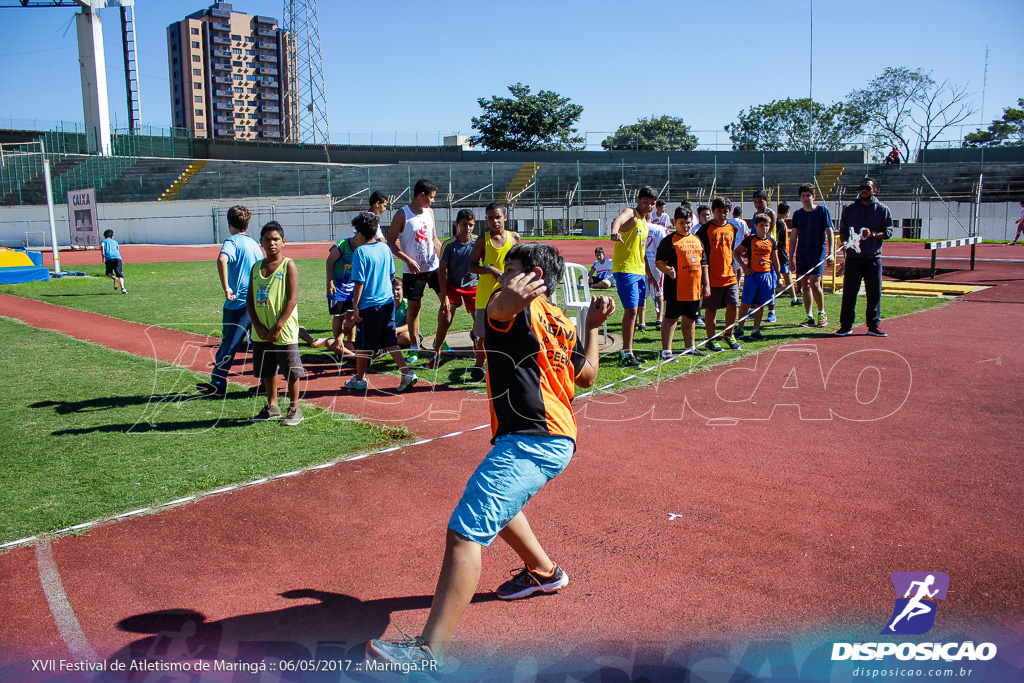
(110, 432)
(101, 432)
(155, 298)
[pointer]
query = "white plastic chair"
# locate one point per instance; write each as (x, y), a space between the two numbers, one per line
(576, 300)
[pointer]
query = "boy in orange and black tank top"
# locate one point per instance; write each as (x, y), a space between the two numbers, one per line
(681, 257)
(719, 237)
(534, 359)
(759, 258)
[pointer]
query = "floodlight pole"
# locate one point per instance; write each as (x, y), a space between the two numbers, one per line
(49, 209)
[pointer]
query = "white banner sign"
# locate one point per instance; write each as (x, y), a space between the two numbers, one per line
(82, 214)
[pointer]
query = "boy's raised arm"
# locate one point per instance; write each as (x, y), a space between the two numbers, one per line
(514, 297)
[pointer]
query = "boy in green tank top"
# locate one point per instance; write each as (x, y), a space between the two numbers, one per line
(273, 306)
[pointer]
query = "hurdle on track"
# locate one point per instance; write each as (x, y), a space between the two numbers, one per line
(935, 246)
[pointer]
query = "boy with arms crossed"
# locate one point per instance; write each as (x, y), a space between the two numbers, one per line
(536, 358)
(681, 257)
(272, 302)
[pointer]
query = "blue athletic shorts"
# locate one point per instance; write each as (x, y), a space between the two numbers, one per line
(632, 289)
(805, 264)
(515, 468)
(759, 289)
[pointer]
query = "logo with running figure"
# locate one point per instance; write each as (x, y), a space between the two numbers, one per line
(917, 594)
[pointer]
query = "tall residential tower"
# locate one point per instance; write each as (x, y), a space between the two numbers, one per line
(229, 75)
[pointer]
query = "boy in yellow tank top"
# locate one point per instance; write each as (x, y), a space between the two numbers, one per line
(272, 302)
(488, 261)
(629, 233)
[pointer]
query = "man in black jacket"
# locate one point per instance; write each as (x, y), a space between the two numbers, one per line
(868, 222)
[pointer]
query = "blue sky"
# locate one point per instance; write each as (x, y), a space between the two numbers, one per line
(412, 71)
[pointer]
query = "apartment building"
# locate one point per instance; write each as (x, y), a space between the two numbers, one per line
(229, 75)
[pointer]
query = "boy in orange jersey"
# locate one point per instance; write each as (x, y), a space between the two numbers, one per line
(535, 358)
(718, 237)
(681, 257)
(759, 258)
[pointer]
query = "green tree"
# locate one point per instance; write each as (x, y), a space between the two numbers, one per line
(1005, 132)
(786, 125)
(908, 109)
(525, 122)
(662, 134)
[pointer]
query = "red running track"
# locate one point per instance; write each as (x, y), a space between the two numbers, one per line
(749, 511)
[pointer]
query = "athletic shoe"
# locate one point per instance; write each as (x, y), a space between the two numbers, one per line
(211, 390)
(771, 316)
(320, 342)
(876, 332)
(408, 380)
(476, 373)
(739, 333)
(526, 582)
(694, 351)
(641, 327)
(293, 417)
(124, 291)
(844, 332)
(657, 325)
(822, 320)
(435, 361)
(713, 347)
(269, 412)
(732, 343)
(667, 355)
(413, 357)
(699, 321)
(629, 361)
(808, 322)
(796, 302)
(356, 384)
(411, 653)
(757, 336)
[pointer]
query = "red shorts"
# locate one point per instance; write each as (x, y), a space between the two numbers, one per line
(457, 296)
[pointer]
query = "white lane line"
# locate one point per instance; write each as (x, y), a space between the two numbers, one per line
(63, 614)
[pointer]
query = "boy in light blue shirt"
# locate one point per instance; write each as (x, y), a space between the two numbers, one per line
(373, 267)
(237, 256)
(112, 260)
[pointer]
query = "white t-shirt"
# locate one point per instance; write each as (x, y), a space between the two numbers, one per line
(603, 271)
(663, 220)
(655, 234)
(417, 239)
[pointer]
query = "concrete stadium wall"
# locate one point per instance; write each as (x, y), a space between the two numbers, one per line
(962, 154)
(305, 219)
(344, 154)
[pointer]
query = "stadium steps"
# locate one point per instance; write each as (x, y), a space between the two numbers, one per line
(520, 182)
(145, 181)
(181, 181)
(827, 178)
